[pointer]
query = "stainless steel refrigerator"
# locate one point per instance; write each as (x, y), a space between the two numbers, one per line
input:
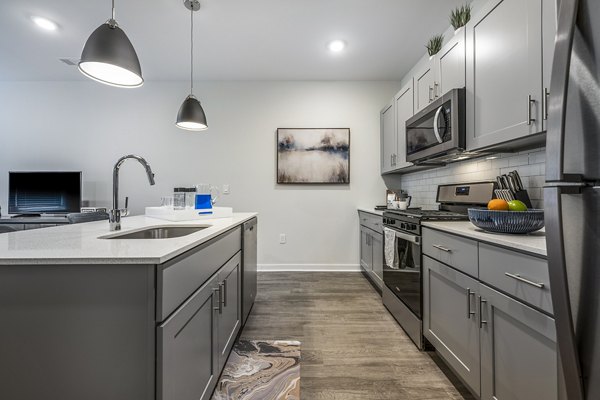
(572, 195)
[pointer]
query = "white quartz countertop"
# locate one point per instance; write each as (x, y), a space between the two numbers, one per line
(82, 243)
(534, 243)
(371, 211)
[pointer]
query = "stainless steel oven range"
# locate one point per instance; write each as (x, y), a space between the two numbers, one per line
(403, 283)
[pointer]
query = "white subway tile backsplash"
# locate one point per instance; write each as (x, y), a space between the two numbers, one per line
(530, 165)
(521, 159)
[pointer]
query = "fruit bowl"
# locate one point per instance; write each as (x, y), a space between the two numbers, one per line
(507, 221)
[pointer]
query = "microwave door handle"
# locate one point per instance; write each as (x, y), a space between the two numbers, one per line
(436, 128)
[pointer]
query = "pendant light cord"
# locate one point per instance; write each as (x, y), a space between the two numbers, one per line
(113, 10)
(191, 48)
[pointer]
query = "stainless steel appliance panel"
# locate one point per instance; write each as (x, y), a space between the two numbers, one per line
(249, 276)
(571, 196)
(405, 281)
(437, 129)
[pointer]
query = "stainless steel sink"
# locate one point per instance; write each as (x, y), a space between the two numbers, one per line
(159, 232)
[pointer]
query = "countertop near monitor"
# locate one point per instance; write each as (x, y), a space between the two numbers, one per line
(533, 243)
(33, 220)
(83, 243)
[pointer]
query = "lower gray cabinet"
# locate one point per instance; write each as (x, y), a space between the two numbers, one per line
(371, 254)
(377, 248)
(449, 319)
(195, 341)
(187, 350)
(230, 311)
(366, 254)
(500, 347)
(518, 350)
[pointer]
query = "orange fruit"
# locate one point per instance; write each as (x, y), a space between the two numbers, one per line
(498, 205)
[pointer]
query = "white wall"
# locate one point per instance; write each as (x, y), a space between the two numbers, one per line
(87, 126)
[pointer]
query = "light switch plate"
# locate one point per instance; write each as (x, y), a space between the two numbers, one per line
(226, 189)
(282, 238)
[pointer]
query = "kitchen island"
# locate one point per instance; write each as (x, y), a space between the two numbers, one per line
(88, 316)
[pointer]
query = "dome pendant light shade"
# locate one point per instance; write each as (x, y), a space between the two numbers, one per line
(109, 57)
(191, 115)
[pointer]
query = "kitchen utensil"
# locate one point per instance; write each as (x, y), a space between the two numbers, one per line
(511, 184)
(499, 181)
(518, 179)
(505, 182)
(507, 221)
(403, 204)
(504, 194)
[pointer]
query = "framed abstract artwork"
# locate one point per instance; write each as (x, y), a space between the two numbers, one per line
(313, 155)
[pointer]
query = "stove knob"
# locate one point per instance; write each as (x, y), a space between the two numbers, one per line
(413, 226)
(403, 225)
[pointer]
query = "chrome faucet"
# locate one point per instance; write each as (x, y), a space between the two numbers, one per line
(114, 216)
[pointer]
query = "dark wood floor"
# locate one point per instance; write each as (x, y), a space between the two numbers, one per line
(352, 348)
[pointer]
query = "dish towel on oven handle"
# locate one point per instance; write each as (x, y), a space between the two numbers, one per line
(390, 251)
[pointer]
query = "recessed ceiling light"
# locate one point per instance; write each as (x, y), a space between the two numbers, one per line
(336, 46)
(491, 157)
(44, 23)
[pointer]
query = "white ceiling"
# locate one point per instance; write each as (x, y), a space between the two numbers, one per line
(234, 39)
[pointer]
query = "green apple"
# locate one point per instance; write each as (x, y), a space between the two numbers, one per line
(516, 205)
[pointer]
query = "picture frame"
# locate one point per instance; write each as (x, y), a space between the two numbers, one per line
(313, 156)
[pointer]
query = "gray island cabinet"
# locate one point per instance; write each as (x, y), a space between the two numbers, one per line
(122, 331)
(488, 313)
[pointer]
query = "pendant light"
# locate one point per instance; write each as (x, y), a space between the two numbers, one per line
(109, 57)
(191, 115)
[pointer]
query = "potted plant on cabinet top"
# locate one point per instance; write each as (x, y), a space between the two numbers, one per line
(460, 16)
(434, 45)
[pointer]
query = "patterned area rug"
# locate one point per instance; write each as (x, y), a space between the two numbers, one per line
(261, 370)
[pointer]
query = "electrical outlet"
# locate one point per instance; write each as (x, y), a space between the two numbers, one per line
(282, 238)
(226, 189)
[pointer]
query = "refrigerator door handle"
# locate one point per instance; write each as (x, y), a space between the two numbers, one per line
(561, 302)
(559, 85)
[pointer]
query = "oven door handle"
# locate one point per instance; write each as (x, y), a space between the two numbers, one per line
(436, 128)
(411, 238)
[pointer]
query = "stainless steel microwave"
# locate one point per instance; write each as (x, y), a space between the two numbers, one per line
(437, 133)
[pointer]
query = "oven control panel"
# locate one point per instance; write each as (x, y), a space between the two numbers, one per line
(411, 227)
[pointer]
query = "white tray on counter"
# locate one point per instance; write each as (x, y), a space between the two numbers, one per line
(188, 214)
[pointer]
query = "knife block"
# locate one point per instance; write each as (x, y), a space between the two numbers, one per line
(523, 196)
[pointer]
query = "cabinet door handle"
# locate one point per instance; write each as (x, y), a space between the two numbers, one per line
(482, 321)
(220, 298)
(530, 101)
(442, 248)
(220, 307)
(435, 90)
(469, 294)
(527, 281)
(225, 293)
(545, 103)
(430, 94)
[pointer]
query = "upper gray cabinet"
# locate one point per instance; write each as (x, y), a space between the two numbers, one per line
(504, 72)
(424, 81)
(549, 16)
(404, 103)
(388, 137)
(450, 65)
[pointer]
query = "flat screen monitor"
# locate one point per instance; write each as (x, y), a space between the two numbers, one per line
(44, 192)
